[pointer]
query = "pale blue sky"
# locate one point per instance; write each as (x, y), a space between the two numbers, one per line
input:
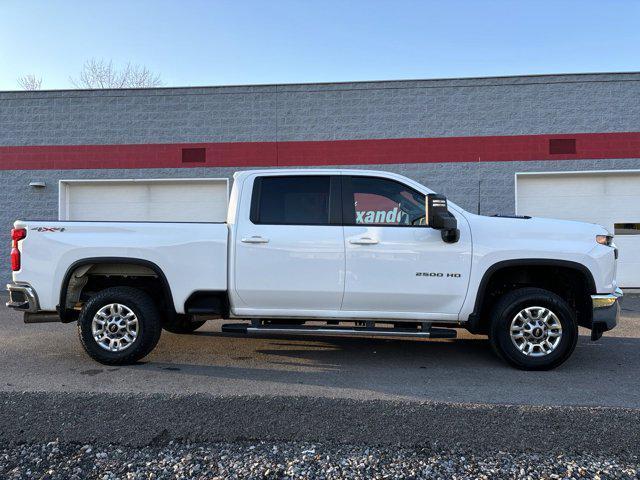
(221, 42)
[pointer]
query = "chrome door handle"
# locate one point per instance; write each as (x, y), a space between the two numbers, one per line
(255, 239)
(364, 241)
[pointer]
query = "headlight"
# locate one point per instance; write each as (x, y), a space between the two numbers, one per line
(605, 240)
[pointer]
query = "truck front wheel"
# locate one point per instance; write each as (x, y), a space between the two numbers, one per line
(533, 329)
(119, 326)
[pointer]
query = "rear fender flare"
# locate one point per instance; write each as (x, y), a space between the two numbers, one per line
(63, 311)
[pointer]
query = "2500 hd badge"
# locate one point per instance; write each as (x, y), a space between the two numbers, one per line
(438, 274)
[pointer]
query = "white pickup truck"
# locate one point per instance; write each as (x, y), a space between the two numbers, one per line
(323, 252)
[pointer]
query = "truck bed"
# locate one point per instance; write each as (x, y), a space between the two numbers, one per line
(192, 256)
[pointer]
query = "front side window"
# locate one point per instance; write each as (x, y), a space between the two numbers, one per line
(292, 200)
(380, 201)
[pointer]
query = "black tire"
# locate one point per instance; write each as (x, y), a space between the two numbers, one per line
(181, 324)
(505, 310)
(149, 325)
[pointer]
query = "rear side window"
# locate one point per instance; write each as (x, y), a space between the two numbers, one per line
(291, 200)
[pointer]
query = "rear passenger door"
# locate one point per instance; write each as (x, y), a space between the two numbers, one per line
(289, 246)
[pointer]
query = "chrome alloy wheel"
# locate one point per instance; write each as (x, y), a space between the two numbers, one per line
(536, 331)
(115, 327)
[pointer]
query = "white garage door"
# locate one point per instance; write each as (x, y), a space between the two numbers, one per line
(161, 200)
(611, 199)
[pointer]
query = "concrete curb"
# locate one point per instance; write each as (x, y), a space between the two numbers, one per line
(156, 419)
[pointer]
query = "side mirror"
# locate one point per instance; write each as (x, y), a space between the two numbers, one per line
(439, 218)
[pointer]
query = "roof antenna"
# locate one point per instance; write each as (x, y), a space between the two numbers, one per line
(478, 185)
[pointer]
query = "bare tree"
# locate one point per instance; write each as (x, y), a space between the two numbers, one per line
(98, 73)
(30, 82)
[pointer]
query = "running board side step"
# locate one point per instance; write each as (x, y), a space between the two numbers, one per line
(338, 331)
(41, 317)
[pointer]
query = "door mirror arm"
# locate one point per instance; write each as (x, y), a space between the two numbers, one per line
(451, 235)
(440, 218)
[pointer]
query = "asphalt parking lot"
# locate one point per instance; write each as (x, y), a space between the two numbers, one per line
(213, 385)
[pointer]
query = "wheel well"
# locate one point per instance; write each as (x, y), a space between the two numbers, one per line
(571, 282)
(89, 277)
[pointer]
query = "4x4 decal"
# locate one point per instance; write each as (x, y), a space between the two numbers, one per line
(48, 229)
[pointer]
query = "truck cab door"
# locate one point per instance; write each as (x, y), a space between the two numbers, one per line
(289, 246)
(396, 266)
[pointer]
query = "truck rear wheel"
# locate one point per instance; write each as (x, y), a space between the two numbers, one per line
(119, 326)
(533, 329)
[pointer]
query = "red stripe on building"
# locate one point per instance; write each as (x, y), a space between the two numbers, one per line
(318, 153)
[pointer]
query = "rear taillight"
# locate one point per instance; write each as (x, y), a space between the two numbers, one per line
(17, 234)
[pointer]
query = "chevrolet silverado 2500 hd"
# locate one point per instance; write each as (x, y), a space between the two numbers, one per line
(354, 252)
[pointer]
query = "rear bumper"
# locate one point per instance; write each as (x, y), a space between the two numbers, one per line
(22, 297)
(606, 310)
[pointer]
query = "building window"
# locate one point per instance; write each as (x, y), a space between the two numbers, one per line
(194, 155)
(559, 146)
(626, 228)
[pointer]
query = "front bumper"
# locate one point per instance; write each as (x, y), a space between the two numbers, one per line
(606, 310)
(22, 297)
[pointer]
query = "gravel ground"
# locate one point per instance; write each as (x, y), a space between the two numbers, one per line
(295, 460)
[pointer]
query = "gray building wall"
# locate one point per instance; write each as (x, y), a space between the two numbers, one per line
(408, 109)
(430, 108)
